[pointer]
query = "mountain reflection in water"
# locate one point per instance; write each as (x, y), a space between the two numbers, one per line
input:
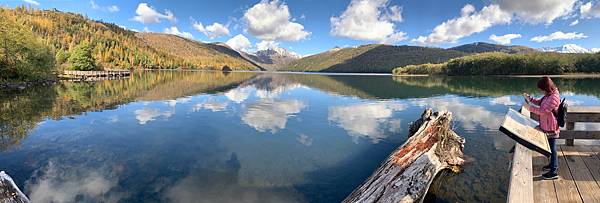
(179, 136)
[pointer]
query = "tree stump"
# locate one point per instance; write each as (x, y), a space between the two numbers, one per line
(405, 176)
(9, 192)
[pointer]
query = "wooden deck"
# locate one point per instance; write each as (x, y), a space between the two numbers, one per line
(579, 170)
(579, 166)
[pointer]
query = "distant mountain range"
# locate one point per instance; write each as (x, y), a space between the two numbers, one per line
(372, 58)
(271, 59)
(569, 49)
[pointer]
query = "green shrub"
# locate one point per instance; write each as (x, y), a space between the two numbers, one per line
(81, 58)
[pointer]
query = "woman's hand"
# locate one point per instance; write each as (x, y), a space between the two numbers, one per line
(526, 95)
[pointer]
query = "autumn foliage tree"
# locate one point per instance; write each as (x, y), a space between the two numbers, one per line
(81, 58)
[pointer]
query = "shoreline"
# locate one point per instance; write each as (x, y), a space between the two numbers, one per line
(25, 84)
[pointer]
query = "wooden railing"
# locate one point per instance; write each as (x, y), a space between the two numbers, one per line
(520, 187)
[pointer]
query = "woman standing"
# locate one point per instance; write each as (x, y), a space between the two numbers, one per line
(544, 107)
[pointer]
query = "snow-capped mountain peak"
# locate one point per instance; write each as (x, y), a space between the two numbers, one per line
(567, 48)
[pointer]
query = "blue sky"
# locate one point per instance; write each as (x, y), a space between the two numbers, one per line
(313, 26)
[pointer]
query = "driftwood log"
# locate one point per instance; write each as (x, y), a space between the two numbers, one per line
(9, 192)
(405, 176)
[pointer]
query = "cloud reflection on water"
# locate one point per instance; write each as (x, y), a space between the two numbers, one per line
(370, 120)
(271, 114)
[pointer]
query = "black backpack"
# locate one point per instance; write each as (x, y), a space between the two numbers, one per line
(561, 114)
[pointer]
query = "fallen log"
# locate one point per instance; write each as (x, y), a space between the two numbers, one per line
(9, 192)
(405, 176)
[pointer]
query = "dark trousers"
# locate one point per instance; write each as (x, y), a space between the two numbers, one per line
(554, 156)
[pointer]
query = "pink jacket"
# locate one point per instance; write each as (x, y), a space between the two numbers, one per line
(547, 104)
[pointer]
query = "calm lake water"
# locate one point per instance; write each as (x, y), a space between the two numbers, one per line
(250, 137)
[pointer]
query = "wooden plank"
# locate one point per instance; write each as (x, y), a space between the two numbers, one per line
(592, 161)
(575, 134)
(543, 191)
(584, 109)
(586, 185)
(566, 189)
(520, 187)
(583, 117)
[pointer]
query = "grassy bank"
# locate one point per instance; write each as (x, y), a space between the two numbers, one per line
(496, 63)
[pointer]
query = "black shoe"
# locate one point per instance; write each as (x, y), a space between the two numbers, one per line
(546, 168)
(550, 176)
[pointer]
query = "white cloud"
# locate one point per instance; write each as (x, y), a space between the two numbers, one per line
(32, 2)
(537, 11)
(264, 45)
(174, 31)
(470, 116)
(590, 10)
(370, 120)
(559, 36)
(146, 114)
(210, 104)
(574, 23)
(94, 5)
(239, 42)
(212, 31)
(72, 184)
(595, 50)
(113, 8)
(238, 95)
(148, 15)
(504, 39)
(470, 22)
(269, 114)
(504, 100)
(271, 20)
(369, 20)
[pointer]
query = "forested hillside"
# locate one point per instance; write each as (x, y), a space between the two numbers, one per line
(196, 54)
(374, 58)
(498, 63)
(114, 47)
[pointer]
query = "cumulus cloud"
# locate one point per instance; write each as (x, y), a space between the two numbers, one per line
(470, 116)
(559, 36)
(470, 22)
(590, 10)
(74, 184)
(210, 104)
(271, 114)
(595, 50)
(32, 2)
(239, 42)
(148, 15)
(146, 114)
(238, 95)
(370, 21)
(175, 31)
(504, 39)
(537, 11)
(504, 100)
(370, 120)
(271, 20)
(265, 44)
(212, 31)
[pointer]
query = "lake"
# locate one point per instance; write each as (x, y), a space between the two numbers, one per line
(175, 136)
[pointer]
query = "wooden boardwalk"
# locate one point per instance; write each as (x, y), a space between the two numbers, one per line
(579, 170)
(578, 166)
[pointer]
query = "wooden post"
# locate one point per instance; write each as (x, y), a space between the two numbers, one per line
(570, 126)
(405, 176)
